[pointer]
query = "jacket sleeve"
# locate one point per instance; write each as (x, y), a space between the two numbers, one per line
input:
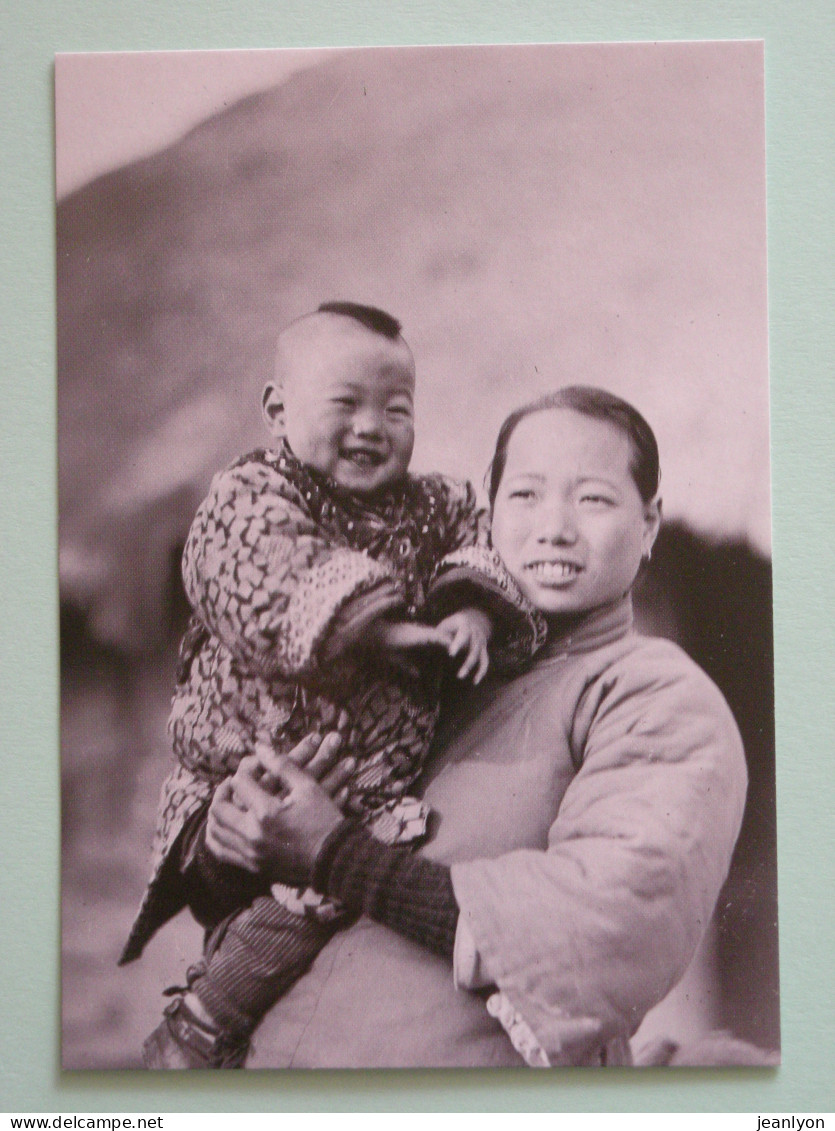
(584, 937)
(462, 522)
(263, 577)
(476, 575)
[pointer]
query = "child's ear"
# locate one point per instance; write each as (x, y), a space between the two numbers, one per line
(272, 408)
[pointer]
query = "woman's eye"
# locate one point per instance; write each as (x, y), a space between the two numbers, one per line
(344, 402)
(597, 500)
(524, 494)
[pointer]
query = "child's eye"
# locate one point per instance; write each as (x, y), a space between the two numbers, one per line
(525, 494)
(344, 402)
(399, 412)
(597, 500)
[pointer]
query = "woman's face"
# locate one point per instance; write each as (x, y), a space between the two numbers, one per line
(568, 519)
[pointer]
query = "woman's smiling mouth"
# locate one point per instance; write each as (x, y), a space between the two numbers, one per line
(553, 572)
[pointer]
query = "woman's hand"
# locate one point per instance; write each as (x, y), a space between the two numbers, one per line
(276, 833)
(318, 756)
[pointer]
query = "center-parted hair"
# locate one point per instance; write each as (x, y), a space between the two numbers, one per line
(371, 317)
(598, 404)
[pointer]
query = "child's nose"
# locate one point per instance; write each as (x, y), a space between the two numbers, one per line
(368, 422)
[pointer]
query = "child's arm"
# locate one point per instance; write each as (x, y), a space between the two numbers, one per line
(465, 633)
(475, 578)
(264, 578)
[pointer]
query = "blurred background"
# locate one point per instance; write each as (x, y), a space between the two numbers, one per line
(535, 216)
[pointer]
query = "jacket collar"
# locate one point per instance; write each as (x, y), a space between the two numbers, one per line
(589, 631)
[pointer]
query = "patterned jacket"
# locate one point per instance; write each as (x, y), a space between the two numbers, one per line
(284, 572)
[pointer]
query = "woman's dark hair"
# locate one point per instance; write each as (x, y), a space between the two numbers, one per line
(599, 405)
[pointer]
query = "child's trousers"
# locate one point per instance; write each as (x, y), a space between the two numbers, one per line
(252, 958)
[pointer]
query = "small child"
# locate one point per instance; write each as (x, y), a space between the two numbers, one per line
(308, 567)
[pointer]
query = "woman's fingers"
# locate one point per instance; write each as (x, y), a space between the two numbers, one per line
(227, 810)
(335, 782)
(225, 793)
(303, 752)
(317, 756)
(325, 756)
(275, 835)
(253, 797)
(252, 767)
(226, 833)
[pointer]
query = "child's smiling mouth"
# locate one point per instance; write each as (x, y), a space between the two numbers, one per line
(365, 458)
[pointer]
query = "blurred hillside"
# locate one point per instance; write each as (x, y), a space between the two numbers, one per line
(534, 216)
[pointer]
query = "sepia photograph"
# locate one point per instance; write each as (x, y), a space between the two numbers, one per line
(416, 652)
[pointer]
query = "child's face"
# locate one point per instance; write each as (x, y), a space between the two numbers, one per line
(349, 407)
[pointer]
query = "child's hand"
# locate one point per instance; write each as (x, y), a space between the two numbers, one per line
(468, 631)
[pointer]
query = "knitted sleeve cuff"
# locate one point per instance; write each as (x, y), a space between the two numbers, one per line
(407, 893)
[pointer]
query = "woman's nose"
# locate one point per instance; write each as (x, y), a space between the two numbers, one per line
(557, 524)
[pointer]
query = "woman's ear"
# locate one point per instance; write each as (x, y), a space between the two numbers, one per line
(272, 409)
(652, 524)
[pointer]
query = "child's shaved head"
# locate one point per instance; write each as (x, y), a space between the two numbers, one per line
(322, 329)
(343, 395)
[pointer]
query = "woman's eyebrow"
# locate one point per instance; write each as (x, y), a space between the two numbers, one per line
(525, 476)
(597, 480)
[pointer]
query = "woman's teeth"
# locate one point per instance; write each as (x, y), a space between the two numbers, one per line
(553, 571)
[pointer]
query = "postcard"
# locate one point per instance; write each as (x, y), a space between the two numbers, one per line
(415, 562)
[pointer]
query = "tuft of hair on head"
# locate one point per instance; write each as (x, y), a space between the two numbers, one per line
(380, 321)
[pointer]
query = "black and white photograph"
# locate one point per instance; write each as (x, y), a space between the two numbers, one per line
(416, 648)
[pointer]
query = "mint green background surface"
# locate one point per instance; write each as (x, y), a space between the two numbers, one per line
(800, 40)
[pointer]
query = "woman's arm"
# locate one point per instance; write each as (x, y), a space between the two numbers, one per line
(406, 893)
(213, 886)
(300, 837)
(585, 937)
